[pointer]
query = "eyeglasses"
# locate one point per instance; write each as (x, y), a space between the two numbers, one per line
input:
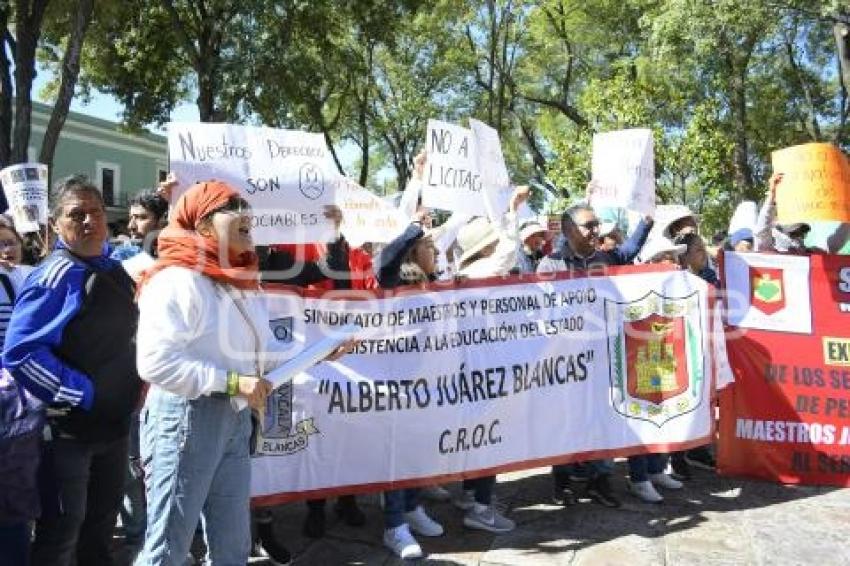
(235, 205)
(590, 225)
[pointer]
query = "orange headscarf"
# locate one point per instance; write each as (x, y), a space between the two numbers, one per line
(180, 244)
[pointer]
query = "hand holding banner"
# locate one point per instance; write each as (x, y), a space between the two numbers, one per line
(25, 186)
(623, 168)
(815, 185)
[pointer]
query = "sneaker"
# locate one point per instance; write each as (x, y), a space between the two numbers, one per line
(665, 481)
(701, 458)
(347, 509)
(599, 490)
(563, 494)
(435, 493)
(644, 491)
(486, 518)
(314, 523)
(681, 470)
(402, 543)
(269, 545)
(466, 500)
(421, 524)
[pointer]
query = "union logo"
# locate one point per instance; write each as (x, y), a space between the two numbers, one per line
(767, 291)
(656, 369)
(279, 435)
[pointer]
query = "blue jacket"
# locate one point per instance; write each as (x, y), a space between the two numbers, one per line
(52, 295)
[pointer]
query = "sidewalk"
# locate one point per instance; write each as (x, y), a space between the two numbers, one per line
(712, 521)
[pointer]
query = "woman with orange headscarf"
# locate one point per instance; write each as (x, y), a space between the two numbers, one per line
(202, 343)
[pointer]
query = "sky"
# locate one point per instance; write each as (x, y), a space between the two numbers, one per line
(107, 107)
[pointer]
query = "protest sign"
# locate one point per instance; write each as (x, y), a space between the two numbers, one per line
(25, 187)
(472, 379)
(366, 217)
(623, 170)
(787, 415)
(815, 183)
(745, 216)
(494, 173)
(283, 174)
(466, 170)
(452, 179)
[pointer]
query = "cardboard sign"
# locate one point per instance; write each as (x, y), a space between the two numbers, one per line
(366, 216)
(466, 170)
(25, 186)
(623, 169)
(287, 176)
(494, 172)
(816, 183)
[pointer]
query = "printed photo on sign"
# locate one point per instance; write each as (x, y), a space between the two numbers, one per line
(768, 292)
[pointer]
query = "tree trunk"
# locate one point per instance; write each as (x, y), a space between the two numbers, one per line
(28, 32)
(841, 30)
(742, 174)
(6, 45)
(70, 73)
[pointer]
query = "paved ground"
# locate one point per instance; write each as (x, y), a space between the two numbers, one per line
(712, 521)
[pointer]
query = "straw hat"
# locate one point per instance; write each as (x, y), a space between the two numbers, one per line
(658, 246)
(474, 237)
(529, 229)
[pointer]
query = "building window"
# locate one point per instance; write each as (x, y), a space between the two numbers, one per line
(109, 181)
(161, 174)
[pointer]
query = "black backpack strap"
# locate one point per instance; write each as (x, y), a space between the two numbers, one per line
(7, 286)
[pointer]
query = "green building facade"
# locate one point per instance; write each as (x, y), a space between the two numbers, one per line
(119, 163)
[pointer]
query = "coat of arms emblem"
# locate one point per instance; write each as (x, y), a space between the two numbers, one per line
(654, 346)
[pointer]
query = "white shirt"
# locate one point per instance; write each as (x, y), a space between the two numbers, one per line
(191, 333)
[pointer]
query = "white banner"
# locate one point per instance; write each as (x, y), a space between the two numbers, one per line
(25, 186)
(286, 175)
(366, 216)
(623, 170)
(472, 380)
(775, 301)
(466, 171)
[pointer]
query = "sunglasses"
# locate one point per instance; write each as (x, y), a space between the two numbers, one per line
(590, 225)
(236, 205)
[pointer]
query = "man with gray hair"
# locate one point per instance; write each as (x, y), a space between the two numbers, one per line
(580, 251)
(71, 343)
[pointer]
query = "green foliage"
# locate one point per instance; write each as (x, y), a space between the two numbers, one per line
(721, 83)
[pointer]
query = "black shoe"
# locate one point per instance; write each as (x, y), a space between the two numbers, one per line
(346, 509)
(314, 524)
(562, 492)
(599, 490)
(268, 544)
(681, 468)
(701, 458)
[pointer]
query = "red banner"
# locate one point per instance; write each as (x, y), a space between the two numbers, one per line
(787, 416)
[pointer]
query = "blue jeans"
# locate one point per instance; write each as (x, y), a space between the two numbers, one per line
(197, 464)
(397, 503)
(641, 466)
